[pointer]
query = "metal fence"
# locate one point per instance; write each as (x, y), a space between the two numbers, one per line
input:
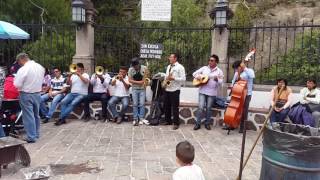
(115, 46)
(50, 45)
(288, 51)
(283, 51)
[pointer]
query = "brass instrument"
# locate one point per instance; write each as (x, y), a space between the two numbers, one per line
(166, 83)
(146, 80)
(117, 77)
(73, 68)
(99, 70)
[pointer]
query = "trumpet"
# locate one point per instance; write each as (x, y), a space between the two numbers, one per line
(117, 77)
(99, 70)
(73, 68)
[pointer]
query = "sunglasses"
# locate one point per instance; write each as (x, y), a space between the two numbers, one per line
(55, 71)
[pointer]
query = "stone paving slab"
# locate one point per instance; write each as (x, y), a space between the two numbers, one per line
(124, 152)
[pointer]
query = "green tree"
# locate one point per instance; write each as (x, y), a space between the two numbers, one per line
(26, 11)
(301, 62)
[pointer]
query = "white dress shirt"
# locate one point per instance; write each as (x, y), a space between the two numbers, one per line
(99, 87)
(119, 89)
(29, 77)
(211, 88)
(78, 86)
(179, 75)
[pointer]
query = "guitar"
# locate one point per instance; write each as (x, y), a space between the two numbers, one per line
(200, 82)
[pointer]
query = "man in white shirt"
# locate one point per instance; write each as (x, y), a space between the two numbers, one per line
(100, 84)
(121, 86)
(56, 94)
(28, 81)
(79, 82)
(175, 73)
(208, 91)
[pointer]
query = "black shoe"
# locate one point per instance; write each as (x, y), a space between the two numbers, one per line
(166, 123)
(59, 122)
(28, 140)
(207, 126)
(175, 127)
(86, 118)
(46, 120)
(119, 120)
(240, 130)
(196, 127)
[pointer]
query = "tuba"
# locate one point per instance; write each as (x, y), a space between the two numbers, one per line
(73, 68)
(99, 70)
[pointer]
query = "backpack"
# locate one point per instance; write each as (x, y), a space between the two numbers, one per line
(10, 91)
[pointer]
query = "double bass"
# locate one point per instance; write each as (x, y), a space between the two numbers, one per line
(234, 111)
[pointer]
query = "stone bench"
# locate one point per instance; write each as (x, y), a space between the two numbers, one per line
(187, 114)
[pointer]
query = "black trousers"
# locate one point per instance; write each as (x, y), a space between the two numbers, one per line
(171, 106)
(103, 97)
(245, 111)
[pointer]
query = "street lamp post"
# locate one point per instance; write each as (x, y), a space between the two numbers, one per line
(78, 12)
(83, 14)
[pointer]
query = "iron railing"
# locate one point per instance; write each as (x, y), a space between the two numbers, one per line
(287, 51)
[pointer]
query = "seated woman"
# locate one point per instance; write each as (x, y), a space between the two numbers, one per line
(280, 101)
(311, 97)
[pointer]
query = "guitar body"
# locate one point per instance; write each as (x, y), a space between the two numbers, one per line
(233, 114)
(200, 82)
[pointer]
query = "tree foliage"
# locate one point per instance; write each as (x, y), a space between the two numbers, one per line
(24, 11)
(300, 63)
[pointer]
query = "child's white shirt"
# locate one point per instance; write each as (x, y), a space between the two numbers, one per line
(192, 172)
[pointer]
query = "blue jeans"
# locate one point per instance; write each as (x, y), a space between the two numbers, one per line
(68, 103)
(279, 116)
(205, 101)
(2, 134)
(138, 98)
(43, 108)
(30, 104)
(113, 102)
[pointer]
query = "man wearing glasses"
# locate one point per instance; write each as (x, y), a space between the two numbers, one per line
(208, 91)
(56, 94)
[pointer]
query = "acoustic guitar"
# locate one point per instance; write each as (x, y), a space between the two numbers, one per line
(200, 82)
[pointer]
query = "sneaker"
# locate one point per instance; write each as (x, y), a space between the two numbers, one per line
(135, 123)
(144, 121)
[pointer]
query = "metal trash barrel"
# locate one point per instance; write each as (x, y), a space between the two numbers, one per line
(290, 152)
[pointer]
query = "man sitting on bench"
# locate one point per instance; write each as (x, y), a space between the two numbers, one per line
(121, 86)
(56, 94)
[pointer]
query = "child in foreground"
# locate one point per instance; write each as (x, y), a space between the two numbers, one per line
(185, 157)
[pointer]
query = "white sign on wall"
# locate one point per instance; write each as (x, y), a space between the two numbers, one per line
(156, 10)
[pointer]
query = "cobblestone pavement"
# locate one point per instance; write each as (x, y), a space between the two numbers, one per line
(121, 152)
